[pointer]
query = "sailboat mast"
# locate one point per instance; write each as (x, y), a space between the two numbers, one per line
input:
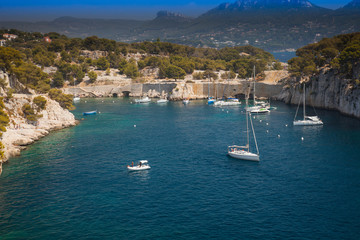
(209, 89)
(253, 131)
(304, 101)
(247, 126)
(254, 86)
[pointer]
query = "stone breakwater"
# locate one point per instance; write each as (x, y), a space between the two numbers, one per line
(178, 90)
(327, 91)
(20, 133)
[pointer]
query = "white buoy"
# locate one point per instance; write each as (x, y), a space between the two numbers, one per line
(254, 117)
(85, 101)
(227, 111)
(222, 109)
(267, 123)
(278, 135)
(113, 101)
(134, 125)
(267, 131)
(302, 138)
(286, 125)
(260, 120)
(99, 112)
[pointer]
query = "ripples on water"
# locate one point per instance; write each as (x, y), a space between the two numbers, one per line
(74, 183)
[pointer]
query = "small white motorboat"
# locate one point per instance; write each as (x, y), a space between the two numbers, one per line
(260, 109)
(143, 165)
(76, 99)
(186, 101)
(162, 100)
(143, 100)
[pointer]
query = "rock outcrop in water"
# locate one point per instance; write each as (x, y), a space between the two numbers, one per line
(21, 133)
(327, 90)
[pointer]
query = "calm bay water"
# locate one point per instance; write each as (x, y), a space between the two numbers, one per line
(74, 183)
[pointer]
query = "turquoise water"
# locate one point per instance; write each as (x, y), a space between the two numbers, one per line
(73, 184)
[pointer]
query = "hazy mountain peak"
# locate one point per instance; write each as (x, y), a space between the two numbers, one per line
(353, 4)
(240, 5)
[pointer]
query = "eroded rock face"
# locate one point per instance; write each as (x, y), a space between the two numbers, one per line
(20, 133)
(328, 91)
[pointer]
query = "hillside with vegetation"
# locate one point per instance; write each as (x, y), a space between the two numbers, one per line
(340, 53)
(71, 59)
(330, 72)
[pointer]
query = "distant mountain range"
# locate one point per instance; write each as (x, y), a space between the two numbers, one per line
(268, 24)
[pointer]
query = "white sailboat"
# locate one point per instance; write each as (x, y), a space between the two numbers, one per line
(185, 100)
(243, 152)
(76, 98)
(161, 100)
(307, 120)
(259, 107)
(211, 100)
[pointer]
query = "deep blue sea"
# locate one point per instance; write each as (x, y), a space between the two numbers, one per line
(74, 184)
(283, 56)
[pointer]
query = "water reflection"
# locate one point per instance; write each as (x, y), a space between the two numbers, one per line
(142, 176)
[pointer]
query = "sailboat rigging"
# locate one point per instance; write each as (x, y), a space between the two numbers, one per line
(307, 120)
(243, 152)
(161, 100)
(259, 107)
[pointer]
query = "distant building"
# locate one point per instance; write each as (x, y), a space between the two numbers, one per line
(47, 39)
(2, 42)
(9, 36)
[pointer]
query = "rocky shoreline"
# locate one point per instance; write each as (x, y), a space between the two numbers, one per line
(327, 91)
(20, 133)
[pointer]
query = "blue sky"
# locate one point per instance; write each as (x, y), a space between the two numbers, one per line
(35, 10)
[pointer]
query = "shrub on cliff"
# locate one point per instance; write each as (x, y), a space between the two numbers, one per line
(1, 151)
(102, 63)
(198, 76)
(32, 77)
(228, 75)
(4, 118)
(175, 72)
(65, 100)
(9, 58)
(131, 70)
(29, 113)
(92, 76)
(40, 102)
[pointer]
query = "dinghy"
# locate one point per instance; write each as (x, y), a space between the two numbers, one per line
(89, 113)
(143, 165)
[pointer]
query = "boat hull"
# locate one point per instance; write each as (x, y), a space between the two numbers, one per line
(243, 155)
(261, 110)
(162, 101)
(222, 103)
(89, 113)
(307, 123)
(137, 168)
(143, 100)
